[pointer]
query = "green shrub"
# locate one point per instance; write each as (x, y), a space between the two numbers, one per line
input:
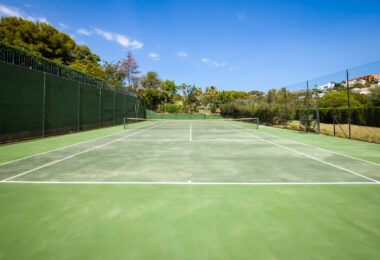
(174, 108)
(213, 108)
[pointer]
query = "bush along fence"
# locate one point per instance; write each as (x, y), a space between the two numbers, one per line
(181, 116)
(38, 100)
(275, 114)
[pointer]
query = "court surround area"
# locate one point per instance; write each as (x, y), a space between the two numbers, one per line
(190, 189)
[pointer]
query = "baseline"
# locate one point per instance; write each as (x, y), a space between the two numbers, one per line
(194, 183)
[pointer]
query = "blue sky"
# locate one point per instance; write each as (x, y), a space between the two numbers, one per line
(234, 45)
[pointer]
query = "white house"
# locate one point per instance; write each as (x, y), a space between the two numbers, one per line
(355, 81)
(326, 86)
(364, 91)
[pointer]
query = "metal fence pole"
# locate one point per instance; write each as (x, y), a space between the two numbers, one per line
(78, 106)
(334, 118)
(100, 105)
(286, 116)
(318, 121)
(43, 105)
(125, 101)
(13, 57)
(308, 106)
(348, 107)
(114, 106)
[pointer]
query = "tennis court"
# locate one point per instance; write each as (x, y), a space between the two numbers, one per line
(164, 151)
(190, 189)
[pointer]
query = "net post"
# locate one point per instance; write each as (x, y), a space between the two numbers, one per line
(257, 122)
(125, 122)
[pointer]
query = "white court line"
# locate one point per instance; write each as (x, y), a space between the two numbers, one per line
(191, 137)
(34, 155)
(322, 149)
(71, 156)
(311, 157)
(193, 140)
(193, 183)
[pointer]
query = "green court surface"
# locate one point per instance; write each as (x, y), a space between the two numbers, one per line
(190, 189)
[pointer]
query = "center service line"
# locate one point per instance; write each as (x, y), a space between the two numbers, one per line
(191, 138)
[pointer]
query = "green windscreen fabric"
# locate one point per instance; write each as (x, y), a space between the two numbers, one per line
(89, 107)
(61, 109)
(21, 102)
(120, 107)
(108, 107)
(131, 107)
(35, 104)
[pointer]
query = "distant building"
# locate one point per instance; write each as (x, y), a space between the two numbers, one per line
(364, 79)
(326, 86)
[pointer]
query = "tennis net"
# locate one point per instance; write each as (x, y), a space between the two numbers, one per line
(176, 123)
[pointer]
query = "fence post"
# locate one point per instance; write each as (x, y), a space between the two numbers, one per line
(100, 104)
(13, 57)
(286, 115)
(318, 120)
(43, 105)
(334, 118)
(78, 106)
(308, 106)
(114, 106)
(348, 107)
(125, 101)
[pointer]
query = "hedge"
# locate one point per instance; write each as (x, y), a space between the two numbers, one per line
(275, 114)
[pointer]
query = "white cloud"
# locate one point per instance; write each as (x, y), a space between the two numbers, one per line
(241, 16)
(154, 56)
(31, 18)
(84, 32)
(182, 54)
(62, 26)
(9, 11)
(13, 11)
(119, 38)
(106, 35)
(43, 20)
(213, 64)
